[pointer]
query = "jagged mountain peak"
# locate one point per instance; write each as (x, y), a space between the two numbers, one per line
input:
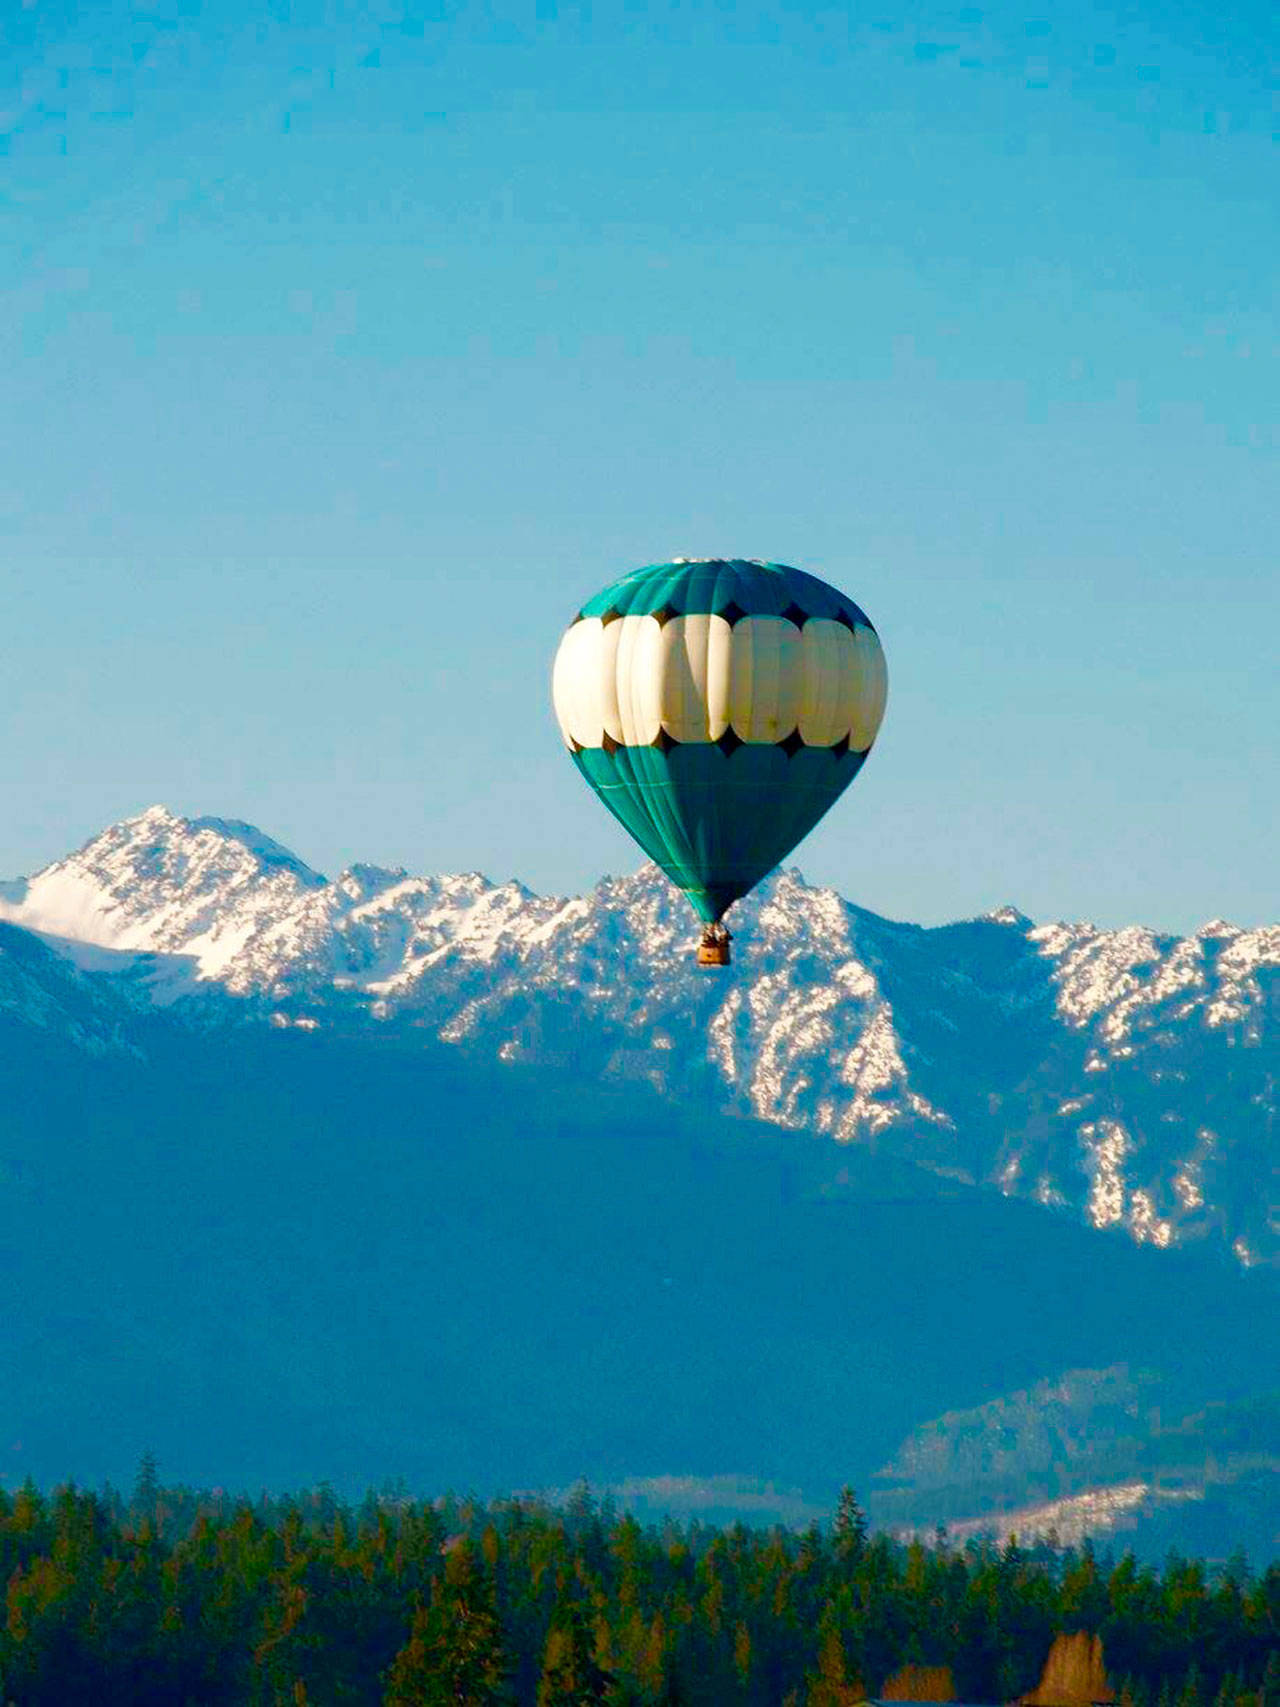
(271, 853)
(1006, 915)
(1219, 928)
(159, 843)
(363, 882)
(160, 882)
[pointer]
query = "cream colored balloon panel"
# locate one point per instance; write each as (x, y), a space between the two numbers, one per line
(605, 667)
(575, 684)
(630, 667)
(695, 675)
(764, 684)
(826, 661)
(869, 682)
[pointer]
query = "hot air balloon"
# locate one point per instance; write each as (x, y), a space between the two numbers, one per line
(718, 708)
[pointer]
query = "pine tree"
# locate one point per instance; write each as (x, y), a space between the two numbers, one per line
(411, 1674)
(571, 1674)
(454, 1654)
(829, 1686)
(146, 1490)
(742, 1652)
(850, 1528)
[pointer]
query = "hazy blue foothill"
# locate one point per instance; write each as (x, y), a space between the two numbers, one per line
(277, 1257)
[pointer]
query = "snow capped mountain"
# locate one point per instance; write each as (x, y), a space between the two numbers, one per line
(1124, 1075)
(199, 887)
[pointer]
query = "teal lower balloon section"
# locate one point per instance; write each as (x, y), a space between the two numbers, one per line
(717, 822)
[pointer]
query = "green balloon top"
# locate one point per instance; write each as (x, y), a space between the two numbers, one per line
(729, 587)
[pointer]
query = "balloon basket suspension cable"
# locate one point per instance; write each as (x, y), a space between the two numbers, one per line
(713, 949)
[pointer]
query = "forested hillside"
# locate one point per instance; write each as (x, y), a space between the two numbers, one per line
(180, 1597)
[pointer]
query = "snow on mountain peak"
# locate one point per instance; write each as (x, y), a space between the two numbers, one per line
(1219, 927)
(158, 882)
(1006, 915)
(266, 849)
(362, 882)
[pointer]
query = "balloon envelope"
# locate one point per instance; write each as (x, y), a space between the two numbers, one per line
(718, 708)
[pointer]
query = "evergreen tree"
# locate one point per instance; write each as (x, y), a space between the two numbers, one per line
(829, 1685)
(146, 1490)
(742, 1653)
(849, 1532)
(454, 1654)
(413, 1672)
(571, 1674)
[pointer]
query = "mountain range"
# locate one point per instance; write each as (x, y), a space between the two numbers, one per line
(438, 1178)
(1125, 1076)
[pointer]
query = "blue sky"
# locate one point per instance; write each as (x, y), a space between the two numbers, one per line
(346, 350)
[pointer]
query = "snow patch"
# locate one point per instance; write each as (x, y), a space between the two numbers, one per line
(1106, 1144)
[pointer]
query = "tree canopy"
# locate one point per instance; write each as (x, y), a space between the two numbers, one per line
(180, 1597)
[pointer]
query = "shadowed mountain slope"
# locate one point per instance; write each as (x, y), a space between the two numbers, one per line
(273, 1257)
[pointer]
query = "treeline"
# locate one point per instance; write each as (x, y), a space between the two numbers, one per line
(177, 1597)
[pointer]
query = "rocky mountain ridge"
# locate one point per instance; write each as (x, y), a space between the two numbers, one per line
(1125, 1076)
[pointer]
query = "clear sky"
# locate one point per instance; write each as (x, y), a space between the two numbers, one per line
(345, 349)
